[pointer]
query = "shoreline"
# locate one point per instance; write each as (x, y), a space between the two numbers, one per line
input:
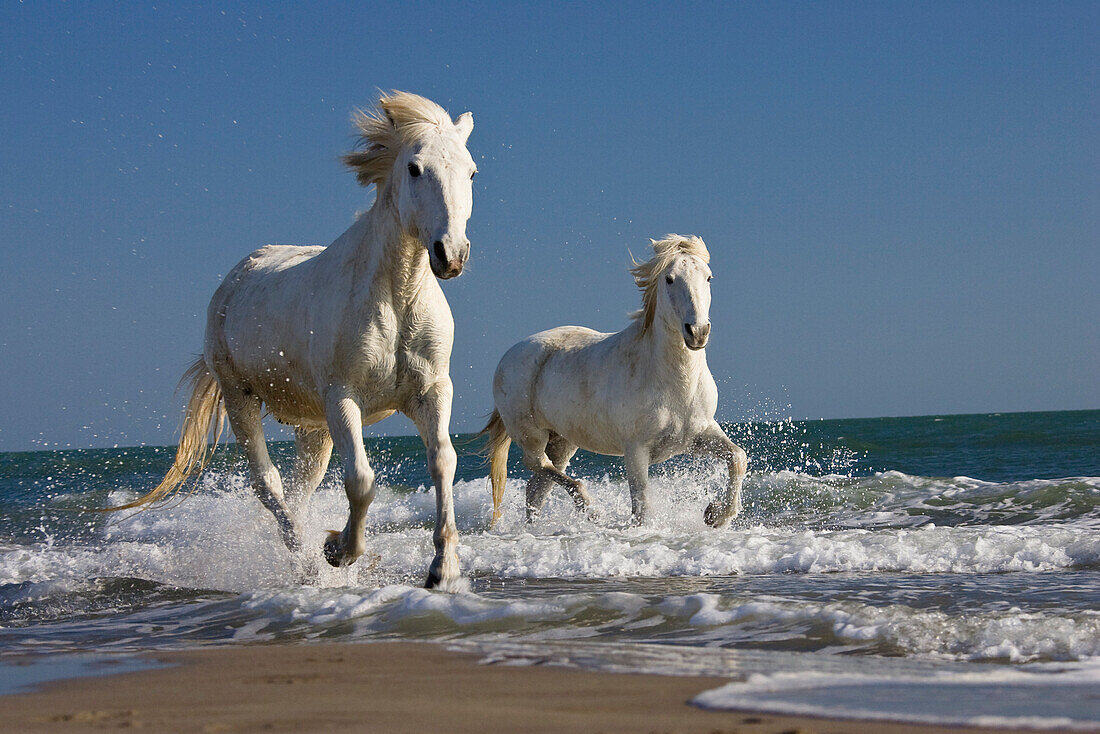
(392, 687)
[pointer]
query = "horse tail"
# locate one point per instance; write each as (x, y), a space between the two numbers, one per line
(205, 415)
(497, 449)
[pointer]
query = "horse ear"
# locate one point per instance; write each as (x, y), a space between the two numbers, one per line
(464, 125)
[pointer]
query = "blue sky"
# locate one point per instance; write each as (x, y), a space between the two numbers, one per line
(901, 200)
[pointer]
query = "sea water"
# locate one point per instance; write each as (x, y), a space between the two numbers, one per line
(942, 568)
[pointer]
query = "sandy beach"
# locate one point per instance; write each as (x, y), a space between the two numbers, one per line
(387, 687)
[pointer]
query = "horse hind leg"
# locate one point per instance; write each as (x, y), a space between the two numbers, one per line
(534, 443)
(311, 458)
(548, 463)
(314, 449)
(560, 451)
(243, 410)
(538, 489)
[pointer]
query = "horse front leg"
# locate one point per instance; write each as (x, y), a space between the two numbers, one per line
(714, 442)
(432, 416)
(345, 425)
(637, 476)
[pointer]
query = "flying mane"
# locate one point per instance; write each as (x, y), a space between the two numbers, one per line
(399, 119)
(647, 274)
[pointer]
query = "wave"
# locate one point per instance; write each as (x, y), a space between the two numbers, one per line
(222, 539)
(709, 619)
(785, 499)
(830, 563)
(1041, 697)
(732, 619)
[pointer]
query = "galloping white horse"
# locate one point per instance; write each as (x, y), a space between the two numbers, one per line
(644, 393)
(334, 338)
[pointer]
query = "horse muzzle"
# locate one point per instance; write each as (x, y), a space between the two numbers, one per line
(696, 335)
(447, 262)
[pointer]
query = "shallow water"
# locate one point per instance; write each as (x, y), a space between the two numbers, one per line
(938, 554)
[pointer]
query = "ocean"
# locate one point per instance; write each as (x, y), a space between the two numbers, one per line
(941, 569)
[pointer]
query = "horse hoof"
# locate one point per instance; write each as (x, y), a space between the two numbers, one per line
(333, 551)
(444, 575)
(710, 515)
(715, 516)
(592, 514)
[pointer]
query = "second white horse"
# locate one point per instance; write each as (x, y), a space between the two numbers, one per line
(644, 393)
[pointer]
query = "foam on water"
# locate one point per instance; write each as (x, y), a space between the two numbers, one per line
(1033, 696)
(222, 543)
(1040, 697)
(221, 538)
(712, 619)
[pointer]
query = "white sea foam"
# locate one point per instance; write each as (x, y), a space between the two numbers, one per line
(222, 539)
(704, 617)
(1040, 697)
(362, 603)
(226, 540)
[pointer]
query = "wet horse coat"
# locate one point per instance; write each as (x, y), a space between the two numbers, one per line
(331, 339)
(644, 393)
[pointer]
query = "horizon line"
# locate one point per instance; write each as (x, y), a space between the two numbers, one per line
(369, 436)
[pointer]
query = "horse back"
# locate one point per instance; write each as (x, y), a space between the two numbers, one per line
(258, 329)
(556, 381)
(600, 392)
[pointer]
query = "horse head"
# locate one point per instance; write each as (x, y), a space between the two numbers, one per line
(415, 153)
(685, 295)
(675, 287)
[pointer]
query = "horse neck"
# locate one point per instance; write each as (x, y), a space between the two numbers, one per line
(378, 248)
(672, 362)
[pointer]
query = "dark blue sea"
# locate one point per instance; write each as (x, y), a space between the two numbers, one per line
(939, 568)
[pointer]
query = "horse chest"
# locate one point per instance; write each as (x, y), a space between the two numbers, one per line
(672, 425)
(668, 432)
(393, 358)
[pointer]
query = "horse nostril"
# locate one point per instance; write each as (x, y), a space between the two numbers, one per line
(440, 252)
(697, 333)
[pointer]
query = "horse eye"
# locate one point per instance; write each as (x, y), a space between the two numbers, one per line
(472, 175)
(668, 279)
(709, 277)
(414, 170)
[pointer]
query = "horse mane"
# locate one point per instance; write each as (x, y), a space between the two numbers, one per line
(647, 274)
(400, 118)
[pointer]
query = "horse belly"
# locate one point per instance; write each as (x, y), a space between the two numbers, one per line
(593, 437)
(571, 404)
(288, 400)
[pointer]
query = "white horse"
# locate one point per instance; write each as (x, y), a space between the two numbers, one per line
(644, 393)
(334, 338)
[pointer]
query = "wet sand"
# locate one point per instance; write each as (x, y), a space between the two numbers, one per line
(388, 687)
